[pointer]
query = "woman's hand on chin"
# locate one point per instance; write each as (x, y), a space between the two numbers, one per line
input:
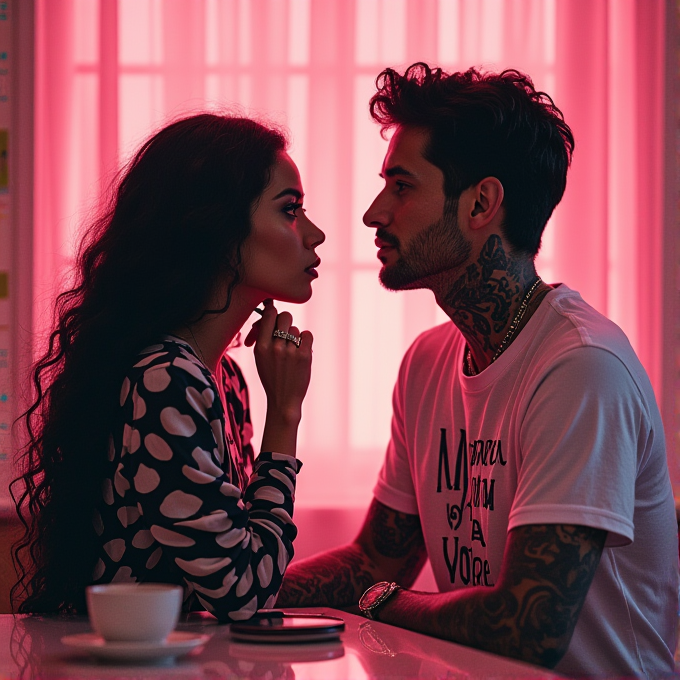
(284, 369)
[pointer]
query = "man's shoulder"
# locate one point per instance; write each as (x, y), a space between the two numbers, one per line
(570, 305)
(580, 324)
(588, 338)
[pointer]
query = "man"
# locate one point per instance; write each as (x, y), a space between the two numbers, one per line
(527, 458)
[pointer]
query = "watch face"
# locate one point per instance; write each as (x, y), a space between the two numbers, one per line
(373, 594)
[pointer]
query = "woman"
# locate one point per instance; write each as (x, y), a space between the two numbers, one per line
(139, 465)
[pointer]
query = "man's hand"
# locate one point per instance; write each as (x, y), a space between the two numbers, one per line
(389, 547)
(531, 613)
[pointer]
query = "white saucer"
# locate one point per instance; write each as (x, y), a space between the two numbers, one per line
(176, 644)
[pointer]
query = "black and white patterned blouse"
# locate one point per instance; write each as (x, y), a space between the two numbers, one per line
(184, 501)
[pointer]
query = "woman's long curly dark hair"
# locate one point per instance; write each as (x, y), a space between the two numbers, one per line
(173, 230)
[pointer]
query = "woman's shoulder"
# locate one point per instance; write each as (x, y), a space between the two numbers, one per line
(170, 361)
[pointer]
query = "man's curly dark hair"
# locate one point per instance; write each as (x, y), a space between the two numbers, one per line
(485, 125)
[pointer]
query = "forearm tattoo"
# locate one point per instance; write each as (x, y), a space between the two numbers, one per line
(333, 579)
(396, 536)
(532, 613)
(390, 546)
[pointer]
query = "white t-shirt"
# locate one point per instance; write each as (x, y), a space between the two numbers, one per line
(562, 429)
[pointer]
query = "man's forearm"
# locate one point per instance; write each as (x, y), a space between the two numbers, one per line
(333, 579)
(477, 618)
(530, 614)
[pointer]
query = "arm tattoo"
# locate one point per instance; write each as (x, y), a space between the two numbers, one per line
(395, 541)
(333, 579)
(394, 534)
(413, 565)
(390, 546)
(532, 613)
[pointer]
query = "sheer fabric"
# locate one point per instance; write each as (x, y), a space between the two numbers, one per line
(109, 72)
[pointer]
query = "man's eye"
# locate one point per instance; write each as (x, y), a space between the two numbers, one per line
(292, 208)
(401, 187)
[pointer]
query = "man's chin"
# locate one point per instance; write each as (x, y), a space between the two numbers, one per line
(396, 279)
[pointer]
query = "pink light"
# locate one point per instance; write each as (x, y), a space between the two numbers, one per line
(311, 65)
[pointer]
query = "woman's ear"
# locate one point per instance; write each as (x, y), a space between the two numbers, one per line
(486, 199)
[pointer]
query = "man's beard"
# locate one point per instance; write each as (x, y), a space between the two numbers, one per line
(437, 249)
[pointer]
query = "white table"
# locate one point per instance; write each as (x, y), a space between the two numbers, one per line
(30, 647)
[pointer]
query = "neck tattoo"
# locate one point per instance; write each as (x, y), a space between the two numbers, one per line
(472, 370)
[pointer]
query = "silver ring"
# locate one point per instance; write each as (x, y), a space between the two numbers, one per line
(287, 336)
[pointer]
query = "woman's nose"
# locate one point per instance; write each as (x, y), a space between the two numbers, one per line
(314, 237)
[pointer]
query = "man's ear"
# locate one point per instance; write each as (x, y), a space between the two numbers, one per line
(484, 200)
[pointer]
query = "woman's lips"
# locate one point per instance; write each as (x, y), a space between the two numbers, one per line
(311, 270)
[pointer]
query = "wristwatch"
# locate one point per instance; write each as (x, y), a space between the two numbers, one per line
(375, 597)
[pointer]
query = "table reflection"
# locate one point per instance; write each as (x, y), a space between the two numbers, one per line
(35, 653)
(31, 648)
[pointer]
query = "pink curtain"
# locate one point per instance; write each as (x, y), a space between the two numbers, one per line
(111, 71)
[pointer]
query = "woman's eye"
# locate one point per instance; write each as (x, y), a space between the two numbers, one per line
(292, 208)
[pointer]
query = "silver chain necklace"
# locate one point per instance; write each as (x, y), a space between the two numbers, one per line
(511, 331)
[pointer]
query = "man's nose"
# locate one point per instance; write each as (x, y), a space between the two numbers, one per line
(376, 216)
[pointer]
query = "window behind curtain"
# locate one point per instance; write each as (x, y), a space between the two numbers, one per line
(310, 65)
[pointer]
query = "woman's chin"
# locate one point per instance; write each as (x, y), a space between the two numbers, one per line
(297, 298)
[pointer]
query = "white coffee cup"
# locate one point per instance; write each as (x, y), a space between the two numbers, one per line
(134, 612)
